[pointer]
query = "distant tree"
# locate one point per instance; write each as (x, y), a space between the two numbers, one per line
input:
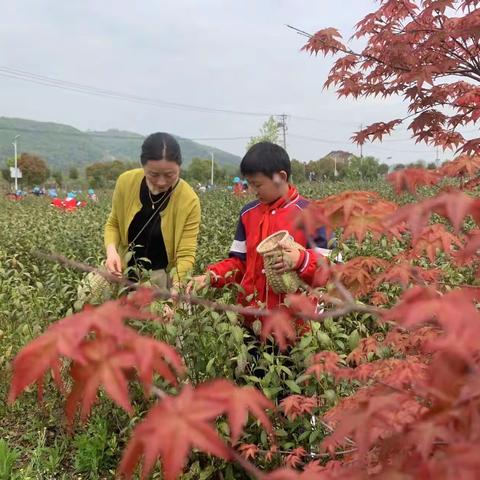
(432, 166)
(270, 132)
(200, 169)
(57, 175)
(6, 174)
(73, 173)
(326, 168)
(366, 168)
(34, 169)
(399, 166)
(383, 168)
(298, 171)
(104, 174)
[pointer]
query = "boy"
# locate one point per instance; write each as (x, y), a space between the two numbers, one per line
(266, 167)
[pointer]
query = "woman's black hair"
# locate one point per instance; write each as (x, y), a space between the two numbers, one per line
(161, 146)
(267, 158)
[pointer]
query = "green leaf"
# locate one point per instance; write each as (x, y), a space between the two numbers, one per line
(293, 386)
(353, 339)
(232, 316)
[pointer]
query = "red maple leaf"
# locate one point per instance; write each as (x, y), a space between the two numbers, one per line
(105, 365)
(248, 450)
(272, 451)
(236, 402)
(64, 338)
(410, 179)
(357, 274)
(372, 420)
(294, 459)
(395, 372)
(358, 213)
(324, 362)
(405, 273)
(469, 252)
(282, 326)
(365, 346)
(294, 406)
(464, 165)
(454, 206)
(433, 239)
(170, 430)
(423, 304)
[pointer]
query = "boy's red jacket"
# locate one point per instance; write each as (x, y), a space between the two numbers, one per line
(245, 266)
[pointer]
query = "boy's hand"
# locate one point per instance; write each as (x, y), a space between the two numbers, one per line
(287, 259)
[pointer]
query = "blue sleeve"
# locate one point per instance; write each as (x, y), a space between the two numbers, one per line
(239, 244)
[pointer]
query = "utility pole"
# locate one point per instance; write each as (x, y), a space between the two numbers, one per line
(437, 159)
(361, 146)
(211, 173)
(15, 164)
(283, 125)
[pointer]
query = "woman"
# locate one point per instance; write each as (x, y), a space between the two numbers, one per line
(155, 215)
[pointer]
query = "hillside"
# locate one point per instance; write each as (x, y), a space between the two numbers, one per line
(64, 146)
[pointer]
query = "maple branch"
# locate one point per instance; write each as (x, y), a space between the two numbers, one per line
(158, 392)
(315, 455)
(331, 430)
(166, 294)
(352, 52)
(348, 297)
(246, 465)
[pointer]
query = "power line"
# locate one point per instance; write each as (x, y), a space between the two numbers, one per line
(323, 140)
(23, 75)
(91, 90)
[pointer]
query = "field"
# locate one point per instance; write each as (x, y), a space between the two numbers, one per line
(35, 293)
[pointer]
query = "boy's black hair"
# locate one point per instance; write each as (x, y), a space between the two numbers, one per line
(267, 158)
(161, 146)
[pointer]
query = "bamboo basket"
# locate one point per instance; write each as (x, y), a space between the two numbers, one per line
(288, 282)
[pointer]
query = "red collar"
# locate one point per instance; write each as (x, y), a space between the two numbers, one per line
(282, 202)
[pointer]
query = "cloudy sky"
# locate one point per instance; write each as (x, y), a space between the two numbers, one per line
(220, 54)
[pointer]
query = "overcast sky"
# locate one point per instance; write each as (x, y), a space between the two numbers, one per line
(235, 55)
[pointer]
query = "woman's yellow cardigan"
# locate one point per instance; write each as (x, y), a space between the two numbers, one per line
(180, 221)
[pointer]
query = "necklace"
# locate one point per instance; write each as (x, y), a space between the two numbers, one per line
(152, 201)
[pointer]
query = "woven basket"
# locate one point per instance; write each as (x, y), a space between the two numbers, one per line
(94, 289)
(288, 282)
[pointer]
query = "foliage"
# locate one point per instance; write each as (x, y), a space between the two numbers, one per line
(364, 167)
(73, 173)
(57, 176)
(299, 174)
(270, 132)
(104, 174)
(34, 169)
(423, 50)
(200, 171)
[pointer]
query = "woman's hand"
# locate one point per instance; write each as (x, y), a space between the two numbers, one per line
(197, 283)
(113, 263)
(285, 260)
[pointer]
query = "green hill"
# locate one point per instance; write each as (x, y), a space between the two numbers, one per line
(63, 146)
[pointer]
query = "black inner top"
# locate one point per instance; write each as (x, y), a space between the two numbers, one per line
(149, 244)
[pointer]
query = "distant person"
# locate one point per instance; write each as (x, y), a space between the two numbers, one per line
(237, 186)
(155, 215)
(92, 196)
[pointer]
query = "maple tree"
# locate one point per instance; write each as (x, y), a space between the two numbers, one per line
(423, 50)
